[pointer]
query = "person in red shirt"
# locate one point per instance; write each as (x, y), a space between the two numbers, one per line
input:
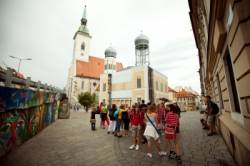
(172, 126)
(136, 120)
(161, 114)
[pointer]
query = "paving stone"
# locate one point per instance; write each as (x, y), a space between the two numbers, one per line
(71, 142)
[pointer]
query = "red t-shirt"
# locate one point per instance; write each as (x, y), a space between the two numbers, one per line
(136, 117)
(172, 119)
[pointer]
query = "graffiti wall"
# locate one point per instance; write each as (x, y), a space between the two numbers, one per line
(24, 113)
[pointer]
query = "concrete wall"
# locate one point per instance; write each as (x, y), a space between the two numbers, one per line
(24, 114)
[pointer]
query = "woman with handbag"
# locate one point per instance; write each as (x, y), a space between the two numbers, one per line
(151, 132)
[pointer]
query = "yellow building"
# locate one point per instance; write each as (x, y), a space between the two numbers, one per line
(132, 84)
(222, 33)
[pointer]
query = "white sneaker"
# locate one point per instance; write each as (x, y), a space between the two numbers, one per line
(132, 147)
(162, 153)
(149, 155)
(137, 147)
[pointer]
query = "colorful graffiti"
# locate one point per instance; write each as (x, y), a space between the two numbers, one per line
(24, 113)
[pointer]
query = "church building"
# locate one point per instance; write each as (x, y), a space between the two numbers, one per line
(85, 70)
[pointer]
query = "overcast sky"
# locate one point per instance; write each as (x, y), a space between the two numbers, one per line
(43, 30)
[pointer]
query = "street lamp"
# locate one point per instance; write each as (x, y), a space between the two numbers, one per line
(20, 60)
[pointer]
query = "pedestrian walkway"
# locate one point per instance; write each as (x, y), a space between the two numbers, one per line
(71, 142)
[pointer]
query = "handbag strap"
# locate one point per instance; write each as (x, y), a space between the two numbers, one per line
(152, 123)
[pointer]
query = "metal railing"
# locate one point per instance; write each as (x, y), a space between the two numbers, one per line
(10, 78)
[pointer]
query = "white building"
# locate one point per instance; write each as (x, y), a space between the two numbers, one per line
(84, 72)
(134, 83)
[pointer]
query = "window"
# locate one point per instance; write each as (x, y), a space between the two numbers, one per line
(138, 82)
(162, 87)
(231, 84)
(138, 99)
(219, 91)
(104, 87)
(82, 84)
(83, 46)
(157, 86)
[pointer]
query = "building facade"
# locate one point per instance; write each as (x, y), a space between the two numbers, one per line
(172, 94)
(222, 34)
(135, 83)
(85, 70)
(186, 100)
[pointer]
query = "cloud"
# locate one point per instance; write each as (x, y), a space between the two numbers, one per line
(43, 31)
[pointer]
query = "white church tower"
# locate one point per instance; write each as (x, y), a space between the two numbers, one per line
(82, 40)
(81, 52)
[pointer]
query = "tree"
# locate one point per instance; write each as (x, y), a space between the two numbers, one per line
(87, 100)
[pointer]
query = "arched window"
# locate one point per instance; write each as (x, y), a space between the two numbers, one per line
(83, 46)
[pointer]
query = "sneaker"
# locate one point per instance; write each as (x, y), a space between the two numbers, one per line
(137, 147)
(172, 155)
(149, 155)
(178, 159)
(132, 147)
(162, 153)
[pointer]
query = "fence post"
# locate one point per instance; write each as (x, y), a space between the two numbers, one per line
(8, 78)
(45, 87)
(27, 82)
(38, 85)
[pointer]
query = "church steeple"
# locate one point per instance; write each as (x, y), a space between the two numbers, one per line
(83, 27)
(84, 18)
(82, 40)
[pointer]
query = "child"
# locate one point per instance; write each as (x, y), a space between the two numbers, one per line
(92, 119)
(112, 124)
(125, 120)
(104, 115)
(118, 120)
(136, 126)
(151, 133)
(172, 121)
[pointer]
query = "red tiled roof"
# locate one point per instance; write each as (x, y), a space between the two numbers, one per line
(171, 90)
(184, 93)
(93, 68)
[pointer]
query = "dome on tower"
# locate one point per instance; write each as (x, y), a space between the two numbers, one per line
(110, 52)
(141, 40)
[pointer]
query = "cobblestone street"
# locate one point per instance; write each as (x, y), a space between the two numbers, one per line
(71, 142)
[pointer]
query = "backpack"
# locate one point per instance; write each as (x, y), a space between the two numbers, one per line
(111, 114)
(116, 113)
(125, 115)
(215, 108)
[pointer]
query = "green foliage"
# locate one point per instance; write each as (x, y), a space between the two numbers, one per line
(87, 99)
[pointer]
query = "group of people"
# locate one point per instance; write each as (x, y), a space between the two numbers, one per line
(147, 123)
